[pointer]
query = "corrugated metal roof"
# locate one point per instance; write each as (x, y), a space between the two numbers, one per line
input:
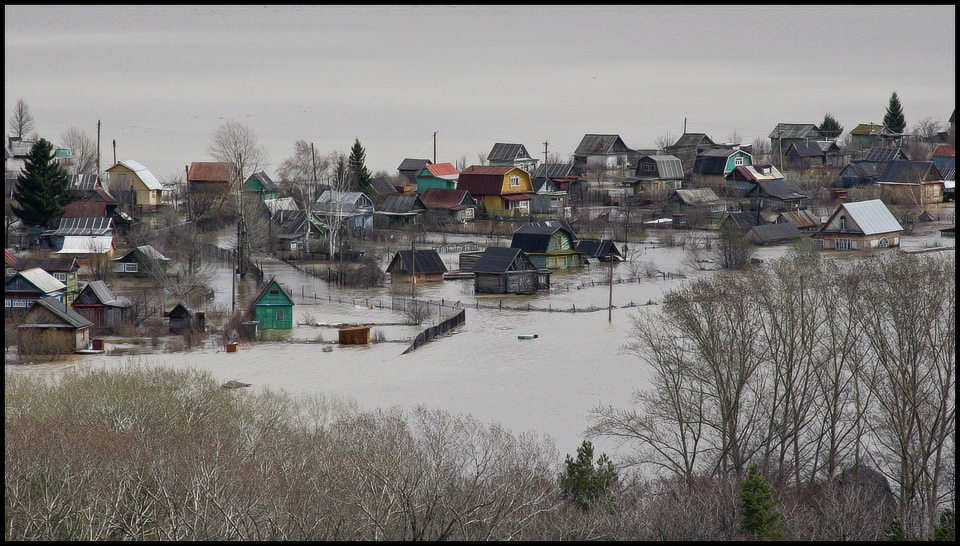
(508, 152)
(427, 261)
(883, 154)
(780, 189)
(699, 196)
(143, 174)
(101, 291)
(757, 172)
(210, 171)
(9, 258)
(443, 170)
(65, 313)
(669, 167)
(601, 144)
(498, 259)
(871, 216)
(86, 244)
(800, 218)
(806, 149)
(85, 209)
(796, 130)
(84, 226)
(556, 170)
(440, 198)
(265, 180)
(909, 172)
(59, 265)
(382, 186)
(945, 150)
(45, 282)
(401, 204)
(479, 180)
(148, 251)
(949, 175)
(346, 202)
(411, 164)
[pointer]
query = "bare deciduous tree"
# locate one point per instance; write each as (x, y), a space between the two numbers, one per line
(83, 151)
(21, 122)
(235, 143)
(664, 141)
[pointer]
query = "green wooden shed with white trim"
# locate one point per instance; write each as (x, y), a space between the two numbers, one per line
(273, 307)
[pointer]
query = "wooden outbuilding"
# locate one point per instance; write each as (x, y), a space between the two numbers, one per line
(52, 328)
(272, 307)
(357, 335)
(97, 303)
(183, 317)
(501, 270)
(426, 265)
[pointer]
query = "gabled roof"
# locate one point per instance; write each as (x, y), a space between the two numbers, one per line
(801, 218)
(536, 237)
(746, 219)
(280, 203)
(147, 251)
(908, 172)
(50, 265)
(84, 226)
(210, 171)
(266, 286)
(883, 154)
(265, 180)
(83, 182)
(714, 160)
(557, 170)
(870, 216)
(775, 232)
(480, 180)
(382, 186)
(427, 261)
(601, 144)
(184, 309)
(945, 150)
(669, 167)
(86, 244)
(508, 152)
(401, 204)
(699, 196)
(870, 129)
(596, 248)
(346, 201)
(439, 198)
(41, 280)
(692, 140)
(948, 175)
(410, 164)
(828, 146)
(498, 259)
(543, 184)
(9, 258)
(443, 170)
(756, 172)
(806, 149)
(85, 209)
(104, 295)
(780, 189)
(143, 174)
(65, 313)
(796, 130)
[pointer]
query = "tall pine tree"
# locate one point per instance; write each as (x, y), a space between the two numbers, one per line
(361, 175)
(43, 188)
(894, 119)
(830, 127)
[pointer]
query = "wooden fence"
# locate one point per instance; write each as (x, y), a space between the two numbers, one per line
(434, 331)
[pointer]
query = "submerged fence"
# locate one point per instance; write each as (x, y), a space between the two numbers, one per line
(434, 331)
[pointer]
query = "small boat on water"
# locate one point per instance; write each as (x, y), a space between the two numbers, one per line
(527, 336)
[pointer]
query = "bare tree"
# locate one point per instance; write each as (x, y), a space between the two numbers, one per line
(760, 150)
(927, 129)
(733, 248)
(664, 141)
(21, 122)
(235, 143)
(482, 157)
(83, 151)
(735, 137)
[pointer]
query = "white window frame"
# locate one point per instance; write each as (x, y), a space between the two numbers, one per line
(468, 213)
(19, 303)
(522, 204)
(62, 277)
(118, 267)
(131, 267)
(514, 181)
(7, 302)
(842, 243)
(738, 161)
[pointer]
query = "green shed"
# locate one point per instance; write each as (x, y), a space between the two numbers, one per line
(273, 307)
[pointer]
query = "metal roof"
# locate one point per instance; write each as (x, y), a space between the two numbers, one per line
(43, 281)
(883, 154)
(806, 149)
(536, 237)
(382, 186)
(601, 144)
(597, 248)
(410, 164)
(780, 189)
(440, 198)
(83, 182)
(427, 261)
(801, 218)
(699, 196)
(58, 265)
(86, 244)
(263, 290)
(796, 130)
(265, 180)
(84, 226)
(871, 216)
(443, 170)
(556, 170)
(349, 201)
(945, 150)
(85, 209)
(756, 172)
(498, 259)
(669, 167)
(101, 291)
(64, 313)
(210, 171)
(147, 251)
(480, 180)
(143, 174)
(508, 152)
(774, 232)
(908, 172)
(692, 140)
(401, 204)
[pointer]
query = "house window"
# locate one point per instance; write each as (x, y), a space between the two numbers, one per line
(118, 267)
(522, 204)
(62, 277)
(562, 261)
(648, 167)
(132, 267)
(819, 243)
(274, 291)
(7, 303)
(883, 243)
(19, 303)
(279, 314)
(738, 160)
(468, 212)
(552, 262)
(843, 223)
(558, 241)
(841, 244)
(514, 181)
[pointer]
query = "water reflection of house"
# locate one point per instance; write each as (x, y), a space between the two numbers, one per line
(501, 270)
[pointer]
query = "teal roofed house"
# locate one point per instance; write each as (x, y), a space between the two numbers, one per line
(273, 307)
(261, 183)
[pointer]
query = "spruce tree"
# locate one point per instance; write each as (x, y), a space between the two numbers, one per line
(43, 188)
(946, 529)
(361, 175)
(761, 520)
(894, 119)
(583, 483)
(830, 127)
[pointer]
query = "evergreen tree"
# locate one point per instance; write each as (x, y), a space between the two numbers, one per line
(758, 498)
(361, 175)
(43, 188)
(830, 127)
(895, 531)
(894, 119)
(583, 483)
(946, 530)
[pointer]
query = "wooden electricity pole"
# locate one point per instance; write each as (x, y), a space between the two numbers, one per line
(610, 305)
(413, 268)
(435, 147)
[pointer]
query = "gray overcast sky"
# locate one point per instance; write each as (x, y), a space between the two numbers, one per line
(162, 78)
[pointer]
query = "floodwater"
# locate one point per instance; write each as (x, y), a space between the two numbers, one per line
(546, 385)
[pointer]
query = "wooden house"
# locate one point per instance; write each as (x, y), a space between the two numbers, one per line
(945, 157)
(65, 270)
(773, 234)
(605, 151)
(867, 135)
(259, 183)
(832, 154)
(565, 176)
(802, 219)
(785, 134)
(9, 263)
(700, 200)
(140, 262)
(289, 228)
(912, 182)
(400, 210)
(354, 208)
(424, 265)
(603, 250)
(655, 175)
(50, 327)
(97, 303)
(440, 176)
(744, 220)
(26, 287)
(272, 307)
(805, 155)
(688, 146)
(713, 165)
(409, 168)
(501, 270)
(743, 178)
(547, 198)
(859, 173)
(210, 177)
(860, 225)
(182, 317)
(511, 155)
(549, 245)
(131, 176)
(501, 191)
(776, 195)
(449, 206)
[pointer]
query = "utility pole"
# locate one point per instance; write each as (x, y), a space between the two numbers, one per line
(413, 267)
(186, 182)
(545, 143)
(114, 151)
(233, 287)
(684, 126)
(435, 147)
(610, 305)
(98, 148)
(311, 199)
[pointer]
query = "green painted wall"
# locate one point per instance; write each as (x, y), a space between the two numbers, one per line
(427, 182)
(275, 309)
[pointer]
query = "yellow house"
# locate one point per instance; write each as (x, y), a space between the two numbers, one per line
(129, 174)
(502, 191)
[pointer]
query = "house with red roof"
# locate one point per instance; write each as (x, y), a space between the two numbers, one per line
(439, 175)
(209, 176)
(500, 191)
(449, 206)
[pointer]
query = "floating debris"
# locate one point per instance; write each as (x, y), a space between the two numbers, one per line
(527, 336)
(232, 384)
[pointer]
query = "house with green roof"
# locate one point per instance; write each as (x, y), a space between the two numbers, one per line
(272, 307)
(259, 183)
